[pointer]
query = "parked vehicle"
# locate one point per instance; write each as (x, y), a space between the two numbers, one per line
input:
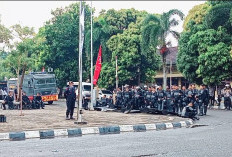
(3, 84)
(12, 84)
(39, 82)
(86, 89)
(102, 92)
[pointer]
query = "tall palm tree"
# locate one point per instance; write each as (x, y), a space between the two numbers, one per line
(155, 30)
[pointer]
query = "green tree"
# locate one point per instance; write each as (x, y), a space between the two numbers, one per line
(155, 31)
(20, 61)
(5, 37)
(219, 15)
(133, 66)
(109, 23)
(23, 32)
(187, 57)
(61, 43)
(200, 43)
(216, 64)
(196, 14)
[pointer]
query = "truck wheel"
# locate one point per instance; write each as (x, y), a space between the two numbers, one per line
(50, 102)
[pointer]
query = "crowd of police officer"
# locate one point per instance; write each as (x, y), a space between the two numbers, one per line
(154, 99)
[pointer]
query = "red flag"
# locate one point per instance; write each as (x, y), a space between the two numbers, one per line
(98, 66)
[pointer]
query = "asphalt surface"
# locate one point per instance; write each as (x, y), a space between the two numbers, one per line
(213, 140)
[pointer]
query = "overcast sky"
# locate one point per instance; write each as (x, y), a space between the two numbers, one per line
(36, 13)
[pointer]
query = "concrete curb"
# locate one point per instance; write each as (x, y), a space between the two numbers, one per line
(45, 134)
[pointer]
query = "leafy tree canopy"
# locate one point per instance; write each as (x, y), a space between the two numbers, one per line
(204, 47)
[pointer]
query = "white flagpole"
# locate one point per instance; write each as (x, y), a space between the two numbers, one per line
(80, 66)
(91, 104)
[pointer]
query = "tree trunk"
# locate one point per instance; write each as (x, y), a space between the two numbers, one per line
(164, 73)
(21, 83)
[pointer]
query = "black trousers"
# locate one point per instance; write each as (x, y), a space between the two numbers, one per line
(227, 102)
(4, 106)
(10, 105)
(205, 103)
(212, 99)
(70, 107)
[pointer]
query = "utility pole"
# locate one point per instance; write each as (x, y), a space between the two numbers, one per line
(91, 104)
(116, 58)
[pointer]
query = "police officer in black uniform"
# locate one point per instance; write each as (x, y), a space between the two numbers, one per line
(189, 95)
(194, 93)
(38, 102)
(199, 106)
(119, 98)
(168, 103)
(70, 95)
(206, 99)
(127, 100)
(138, 99)
(154, 100)
(147, 97)
(161, 98)
(184, 94)
(190, 112)
(177, 100)
(26, 101)
(8, 100)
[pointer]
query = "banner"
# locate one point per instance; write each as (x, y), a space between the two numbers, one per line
(98, 66)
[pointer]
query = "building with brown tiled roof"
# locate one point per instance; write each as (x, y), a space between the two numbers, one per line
(173, 75)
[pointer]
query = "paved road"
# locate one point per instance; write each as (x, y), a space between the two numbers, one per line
(213, 140)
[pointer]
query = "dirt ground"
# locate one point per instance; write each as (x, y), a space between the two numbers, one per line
(53, 117)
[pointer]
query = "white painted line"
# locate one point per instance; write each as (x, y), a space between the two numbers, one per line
(126, 128)
(61, 132)
(4, 136)
(183, 124)
(32, 134)
(90, 130)
(150, 126)
(169, 125)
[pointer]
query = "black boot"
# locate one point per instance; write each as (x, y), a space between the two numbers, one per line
(71, 117)
(67, 118)
(4, 106)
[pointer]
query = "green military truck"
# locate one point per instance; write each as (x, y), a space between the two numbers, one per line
(38, 82)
